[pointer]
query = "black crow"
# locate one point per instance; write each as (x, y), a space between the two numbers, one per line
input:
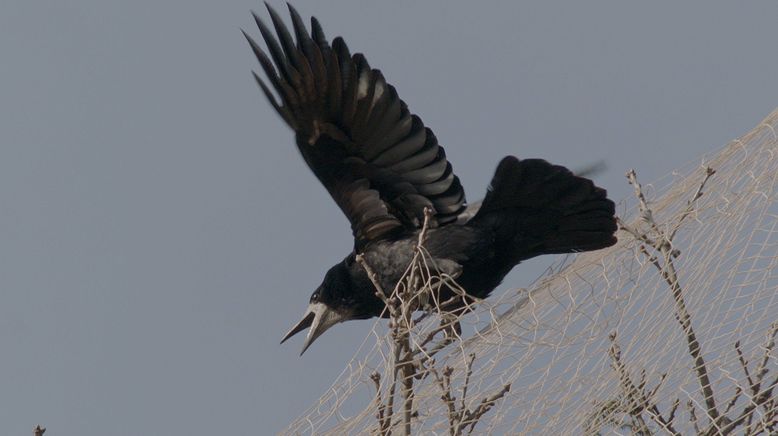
(383, 167)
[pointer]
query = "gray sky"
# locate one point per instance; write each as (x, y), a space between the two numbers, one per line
(159, 232)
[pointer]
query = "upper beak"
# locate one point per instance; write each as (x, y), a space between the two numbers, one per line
(319, 317)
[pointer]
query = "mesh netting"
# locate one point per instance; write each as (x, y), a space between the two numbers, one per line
(596, 346)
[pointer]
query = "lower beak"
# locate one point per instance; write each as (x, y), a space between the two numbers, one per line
(319, 317)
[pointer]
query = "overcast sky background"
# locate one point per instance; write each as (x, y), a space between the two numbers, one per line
(159, 231)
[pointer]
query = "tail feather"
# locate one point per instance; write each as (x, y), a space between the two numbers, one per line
(537, 208)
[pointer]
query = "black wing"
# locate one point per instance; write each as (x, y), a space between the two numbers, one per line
(377, 160)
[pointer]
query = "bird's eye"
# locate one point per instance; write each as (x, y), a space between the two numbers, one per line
(315, 296)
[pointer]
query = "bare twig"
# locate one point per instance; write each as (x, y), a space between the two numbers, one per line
(761, 369)
(424, 228)
(663, 244)
(744, 364)
(634, 232)
(376, 377)
(719, 422)
(434, 332)
(389, 410)
(472, 418)
(379, 290)
(400, 306)
(684, 318)
(386, 411)
(407, 366)
(735, 397)
(412, 360)
(638, 400)
(460, 418)
(673, 410)
(408, 394)
(645, 211)
(469, 372)
(445, 387)
(759, 398)
(693, 416)
(748, 411)
(631, 392)
(690, 203)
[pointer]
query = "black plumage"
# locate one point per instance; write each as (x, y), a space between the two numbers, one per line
(383, 167)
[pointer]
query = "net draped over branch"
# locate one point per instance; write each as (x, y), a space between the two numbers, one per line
(596, 345)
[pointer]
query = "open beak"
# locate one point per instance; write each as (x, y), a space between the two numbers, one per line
(319, 317)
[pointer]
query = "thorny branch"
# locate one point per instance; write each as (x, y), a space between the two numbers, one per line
(661, 242)
(412, 360)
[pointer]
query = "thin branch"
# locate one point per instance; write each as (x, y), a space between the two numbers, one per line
(431, 335)
(645, 211)
(472, 418)
(673, 410)
(693, 416)
(760, 398)
(400, 306)
(376, 377)
(461, 418)
(744, 365)
(690, 203)
(636, 404)
(748, 411)
(662, 379)
(735, 397)
(761, 369)
(663, 244)
(389, 410)
(634, 232)
(638, 399)
(445, 386)
(425, 226)
(684, 318)
(373, 279)
(469, 372)
(408, 364)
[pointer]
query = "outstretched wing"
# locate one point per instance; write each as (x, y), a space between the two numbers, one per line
(377, 160)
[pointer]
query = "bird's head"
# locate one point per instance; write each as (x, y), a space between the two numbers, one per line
(339, 298)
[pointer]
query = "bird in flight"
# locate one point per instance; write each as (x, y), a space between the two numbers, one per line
(384, 167)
